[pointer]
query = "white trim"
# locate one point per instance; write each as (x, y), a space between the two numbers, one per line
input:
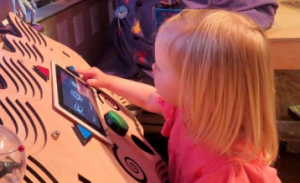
(53, 8)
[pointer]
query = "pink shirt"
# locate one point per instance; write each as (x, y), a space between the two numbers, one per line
(190, 163)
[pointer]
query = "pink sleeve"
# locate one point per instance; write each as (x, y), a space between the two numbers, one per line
(168, 113)
(220, 175)
(246, 173)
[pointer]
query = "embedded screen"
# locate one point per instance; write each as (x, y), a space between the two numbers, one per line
(77, 98)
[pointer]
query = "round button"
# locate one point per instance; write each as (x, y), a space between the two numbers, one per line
(121, 12)
(116, 123)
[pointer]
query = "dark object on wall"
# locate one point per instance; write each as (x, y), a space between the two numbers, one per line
(41, 3)
(294, 112)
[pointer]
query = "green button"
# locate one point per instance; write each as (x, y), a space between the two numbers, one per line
(116, 123)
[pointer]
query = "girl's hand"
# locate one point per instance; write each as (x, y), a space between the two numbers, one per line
(94, 77)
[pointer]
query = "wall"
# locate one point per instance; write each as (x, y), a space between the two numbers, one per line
(5, 7)
(75, 23)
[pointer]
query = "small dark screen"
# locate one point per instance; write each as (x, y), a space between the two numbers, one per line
(78, 99)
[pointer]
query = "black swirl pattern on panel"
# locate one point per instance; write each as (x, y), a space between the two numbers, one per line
(131, 167)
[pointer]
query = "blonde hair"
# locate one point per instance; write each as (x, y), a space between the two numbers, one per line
(226, 93)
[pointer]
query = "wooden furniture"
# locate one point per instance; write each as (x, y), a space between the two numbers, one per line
(284, 39)
(284, 36)
(27, 109)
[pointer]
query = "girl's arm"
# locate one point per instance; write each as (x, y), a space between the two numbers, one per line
(139, 94)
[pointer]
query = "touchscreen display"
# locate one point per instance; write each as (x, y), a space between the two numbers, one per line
(78, 99)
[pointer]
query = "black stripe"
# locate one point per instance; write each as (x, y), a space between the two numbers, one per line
(35, 174)
(83, 179)
(19, 47)
(24, 76)
(38, 52)
(27, 179)
(10, 116)
(42, 38)
(20, 27)
(8, 44)
(17, 75)
(25, 26)
(66, 54)
(29, 119)
(3, 82)
(33, 78)
(31, 51)
(14, 27)
(25, 49)
(39, 120)
(34, 33)
(98, 93)
(11, 78)
(42, 168)
(19, 115)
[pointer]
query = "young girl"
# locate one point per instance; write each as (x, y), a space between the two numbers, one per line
(214, 86)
